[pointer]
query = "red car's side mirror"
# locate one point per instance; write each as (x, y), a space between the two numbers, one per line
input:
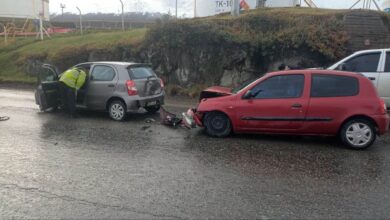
(248, 95)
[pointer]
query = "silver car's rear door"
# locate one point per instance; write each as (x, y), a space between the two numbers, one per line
(102, 82)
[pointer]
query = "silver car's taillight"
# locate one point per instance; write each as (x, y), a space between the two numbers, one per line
(131, 88)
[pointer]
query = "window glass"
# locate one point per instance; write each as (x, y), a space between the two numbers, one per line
(363, 63)
(102, 73)
(242, 86)
(387, 67)
(47, 75)
(284, 86)
(334, 86)
(141, 72)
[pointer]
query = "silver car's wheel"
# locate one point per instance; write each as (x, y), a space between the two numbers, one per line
(358, 134)
(117, 111)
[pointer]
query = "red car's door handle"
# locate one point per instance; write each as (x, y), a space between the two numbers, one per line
(296, 106)
(372, 78)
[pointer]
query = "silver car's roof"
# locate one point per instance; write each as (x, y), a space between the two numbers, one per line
(126, 64)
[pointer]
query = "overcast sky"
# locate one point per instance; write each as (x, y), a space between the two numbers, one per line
(163, 6)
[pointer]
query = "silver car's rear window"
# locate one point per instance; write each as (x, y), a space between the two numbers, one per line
(141, 72)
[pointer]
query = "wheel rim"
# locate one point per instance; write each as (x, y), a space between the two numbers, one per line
(117, 111)
(218, 123)
(359, 134)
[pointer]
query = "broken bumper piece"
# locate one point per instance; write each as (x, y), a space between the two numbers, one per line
(191, 119)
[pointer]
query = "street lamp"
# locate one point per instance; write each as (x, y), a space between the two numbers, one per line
(63, 6)
(176, 9)
(81, 21)
(123, 18)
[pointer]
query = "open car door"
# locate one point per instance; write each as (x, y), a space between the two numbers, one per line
(47, 94)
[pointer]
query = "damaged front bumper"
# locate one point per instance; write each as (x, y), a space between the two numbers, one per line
(192, 118)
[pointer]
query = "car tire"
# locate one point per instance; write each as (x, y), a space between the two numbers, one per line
(152, 109)
(217, 124)
(358, 134)
(117, 110)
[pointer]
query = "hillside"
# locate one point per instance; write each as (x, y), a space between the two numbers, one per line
(225, 50)
(20, 60)
(215, 50)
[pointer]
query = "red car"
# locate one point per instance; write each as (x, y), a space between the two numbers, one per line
(298, 102)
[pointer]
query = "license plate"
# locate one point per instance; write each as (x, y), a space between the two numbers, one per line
(151, 103)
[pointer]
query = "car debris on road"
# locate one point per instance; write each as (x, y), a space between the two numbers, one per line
(172, 120)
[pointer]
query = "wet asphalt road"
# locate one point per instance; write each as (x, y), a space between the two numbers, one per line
(54, 167)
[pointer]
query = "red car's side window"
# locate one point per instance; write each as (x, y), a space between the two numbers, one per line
(333, 86)
(280, 87)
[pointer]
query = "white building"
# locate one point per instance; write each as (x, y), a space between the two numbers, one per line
(26, 9)
(386, 6)
(212, 7)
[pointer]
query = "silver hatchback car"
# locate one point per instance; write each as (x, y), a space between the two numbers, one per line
(116, 87)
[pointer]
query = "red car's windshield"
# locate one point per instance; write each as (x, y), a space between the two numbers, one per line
(242, 86)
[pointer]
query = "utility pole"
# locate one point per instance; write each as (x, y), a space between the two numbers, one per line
(81, 21)
(195, 8)
(176, 9)
(123, 15)
(41, 16)
(41, 26)
(63, 6)
(236, 8)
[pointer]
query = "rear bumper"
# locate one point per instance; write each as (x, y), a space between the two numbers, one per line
(135, 102)
(383, 122)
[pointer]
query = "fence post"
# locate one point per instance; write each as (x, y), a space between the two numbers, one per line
(5, 34)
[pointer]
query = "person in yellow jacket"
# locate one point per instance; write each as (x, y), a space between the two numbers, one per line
(70, 82)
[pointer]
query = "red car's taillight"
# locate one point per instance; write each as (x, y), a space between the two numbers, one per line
(131, 88)
(384, 107)
(161, 83)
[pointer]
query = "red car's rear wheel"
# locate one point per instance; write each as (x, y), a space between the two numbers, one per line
(358, 134)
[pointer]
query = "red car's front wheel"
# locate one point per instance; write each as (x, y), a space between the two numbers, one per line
(217, 124)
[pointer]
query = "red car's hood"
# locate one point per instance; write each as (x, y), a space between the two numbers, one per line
(215, 91)
(219, 89)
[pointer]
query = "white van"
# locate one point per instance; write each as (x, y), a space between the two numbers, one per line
(375, 64)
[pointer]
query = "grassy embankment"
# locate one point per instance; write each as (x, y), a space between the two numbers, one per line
(266, 35)
(13, 57)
